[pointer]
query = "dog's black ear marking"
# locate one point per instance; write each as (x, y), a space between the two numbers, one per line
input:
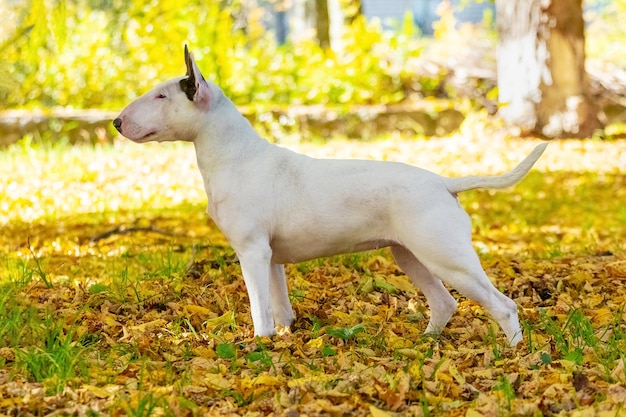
(188, 62)
(188, 85)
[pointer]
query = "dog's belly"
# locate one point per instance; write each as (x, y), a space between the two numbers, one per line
(293, 252)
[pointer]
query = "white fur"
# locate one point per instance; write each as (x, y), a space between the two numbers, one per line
(276, 206)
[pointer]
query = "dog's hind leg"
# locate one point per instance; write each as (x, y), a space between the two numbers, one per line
(442, 304)
(281, 307)
(467, 277)
(444, 247)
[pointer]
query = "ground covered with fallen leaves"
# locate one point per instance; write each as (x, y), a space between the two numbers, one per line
(119, 297)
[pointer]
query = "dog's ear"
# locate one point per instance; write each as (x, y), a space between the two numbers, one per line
(195, 86)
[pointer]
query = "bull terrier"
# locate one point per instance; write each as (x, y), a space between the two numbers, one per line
(276, 206)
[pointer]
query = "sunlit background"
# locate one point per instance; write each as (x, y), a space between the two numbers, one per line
(103, 53)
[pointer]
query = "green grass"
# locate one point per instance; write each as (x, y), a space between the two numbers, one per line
(57, 362)
(17, 320)
(46, 349)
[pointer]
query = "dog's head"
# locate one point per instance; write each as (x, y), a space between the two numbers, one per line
(171, 111)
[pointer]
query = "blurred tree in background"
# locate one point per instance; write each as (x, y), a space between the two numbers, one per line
(104, 53)
(542, 80)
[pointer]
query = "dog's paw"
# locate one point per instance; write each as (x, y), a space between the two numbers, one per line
(283, 331)
(285, 318)
(264, 332)
(516, 338)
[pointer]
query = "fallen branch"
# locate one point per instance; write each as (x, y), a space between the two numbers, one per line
(123, 230)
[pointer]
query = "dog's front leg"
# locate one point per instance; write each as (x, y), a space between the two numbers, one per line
(281, 306)
(255, 266)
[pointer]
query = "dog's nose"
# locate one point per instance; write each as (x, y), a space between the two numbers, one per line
(117, 123)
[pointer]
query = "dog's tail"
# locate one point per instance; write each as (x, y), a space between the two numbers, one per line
(456, 185)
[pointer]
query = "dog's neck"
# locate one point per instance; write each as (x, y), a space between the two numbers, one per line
(227, 140)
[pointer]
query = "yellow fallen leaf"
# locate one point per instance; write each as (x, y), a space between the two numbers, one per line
(538, 339)
(416, 371)
(607, 413)
(471, 412)
(617, 269)
(460, 379)
(226, 319)
(593, 300)
(366, 351)
(377, 412)
(316, 343)
(193, 389)
(110, 321)
(203, 352)
(201, 364)
(7, 354)
(487, 373)
(151, 325)
(315, 379)
(101, 392)
(409, 353)
(170, 357)
(217, 381)
(444, 377)
(163, 390)
(401, 283)
(190, 310)
(603, 316)
(6, 403)
(267, 380)
(342, 317)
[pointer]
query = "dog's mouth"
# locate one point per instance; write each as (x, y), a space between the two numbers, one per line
(146, 137)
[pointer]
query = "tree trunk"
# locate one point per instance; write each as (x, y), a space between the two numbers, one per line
(301, 19)
(322, 23)
(542, 81)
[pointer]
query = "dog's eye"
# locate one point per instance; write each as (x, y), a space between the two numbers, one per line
(161, 95)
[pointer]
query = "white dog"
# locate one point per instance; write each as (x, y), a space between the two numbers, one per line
(276, 206)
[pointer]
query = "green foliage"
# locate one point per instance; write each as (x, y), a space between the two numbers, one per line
(16, 318)
(226, 351)
(45, 350)
(144, 406)
(571, 337)
(506, 390)
(56, 363)
(606, 32)
(102, 54)
(345, 333)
